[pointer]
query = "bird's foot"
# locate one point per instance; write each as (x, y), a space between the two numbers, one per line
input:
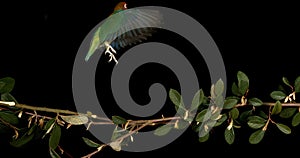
(111, 51)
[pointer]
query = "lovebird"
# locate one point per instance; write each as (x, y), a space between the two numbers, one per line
(123, 27)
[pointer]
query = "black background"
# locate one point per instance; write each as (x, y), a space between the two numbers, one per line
(40, 41)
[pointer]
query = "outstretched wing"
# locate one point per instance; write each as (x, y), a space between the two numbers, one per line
(124, 28)
(136, 25)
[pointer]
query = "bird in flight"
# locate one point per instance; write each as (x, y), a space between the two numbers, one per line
(123, 27)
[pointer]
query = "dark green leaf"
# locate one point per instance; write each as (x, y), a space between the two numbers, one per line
(234, 113)
(197, 100)
(9, 117)
(49, 123)
(243, 87)
(243, 82)
(22, 140)
(278, 95)
(6, 85)
(286, 81)
(256, 118)
(276, 108)
(118, 120)
(283, 128)
(255, 102)
(200, 115)
(229, 135)
(230, 103)
(296, 119)
(8, 97)
(235, 89)
(32, 129)
(256, 122)
(219, 87)
(90, 142)
(163, 130)
(263, 114)
(256, 136)
(287, 112)
(204, 138)
(4, 128)
(55, 136)
(297, 84)
(244, 115)
(53, 153)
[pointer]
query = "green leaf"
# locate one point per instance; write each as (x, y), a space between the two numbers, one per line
(8, 97)
(116, 134)
(181, 124)
(297, 84)
(90, 142)
(296, 119)
(204, 138)
(197, 100)
(278, 95)
(75, 119)
(53, 153)
(49, 123)
(229, 135)
(22, 140)
(219, 87)
(177, 101)
(219, 101)
(235, 90)
(116, 145)
(283, 128)
(256, 122)
(286, 81)
(9, 117)
(118, 120)
(163, 130)
(200, 115)
(243, 82)
(255, 102)
(276, 108)
(256, 136)
(230, 103)
(55, 136)
(287, 112)
(234, 113)
(221, 120)
(175, 97)
(6, 85)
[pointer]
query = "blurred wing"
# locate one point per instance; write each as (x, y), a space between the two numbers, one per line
(136, 25)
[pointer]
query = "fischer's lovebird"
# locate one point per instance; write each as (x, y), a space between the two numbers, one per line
(123, 27)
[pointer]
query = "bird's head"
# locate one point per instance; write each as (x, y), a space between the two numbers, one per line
(120, 6)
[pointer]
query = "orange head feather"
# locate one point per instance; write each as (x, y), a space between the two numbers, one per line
(120, 6)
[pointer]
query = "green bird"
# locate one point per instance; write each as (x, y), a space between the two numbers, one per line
(123, 27)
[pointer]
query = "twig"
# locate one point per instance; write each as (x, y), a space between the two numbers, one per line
(272, 104)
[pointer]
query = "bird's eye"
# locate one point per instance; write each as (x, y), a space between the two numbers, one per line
(125, 6)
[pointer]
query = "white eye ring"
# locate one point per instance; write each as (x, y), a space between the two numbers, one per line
(125, 6)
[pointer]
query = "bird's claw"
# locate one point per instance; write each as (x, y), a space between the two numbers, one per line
(111, 51)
